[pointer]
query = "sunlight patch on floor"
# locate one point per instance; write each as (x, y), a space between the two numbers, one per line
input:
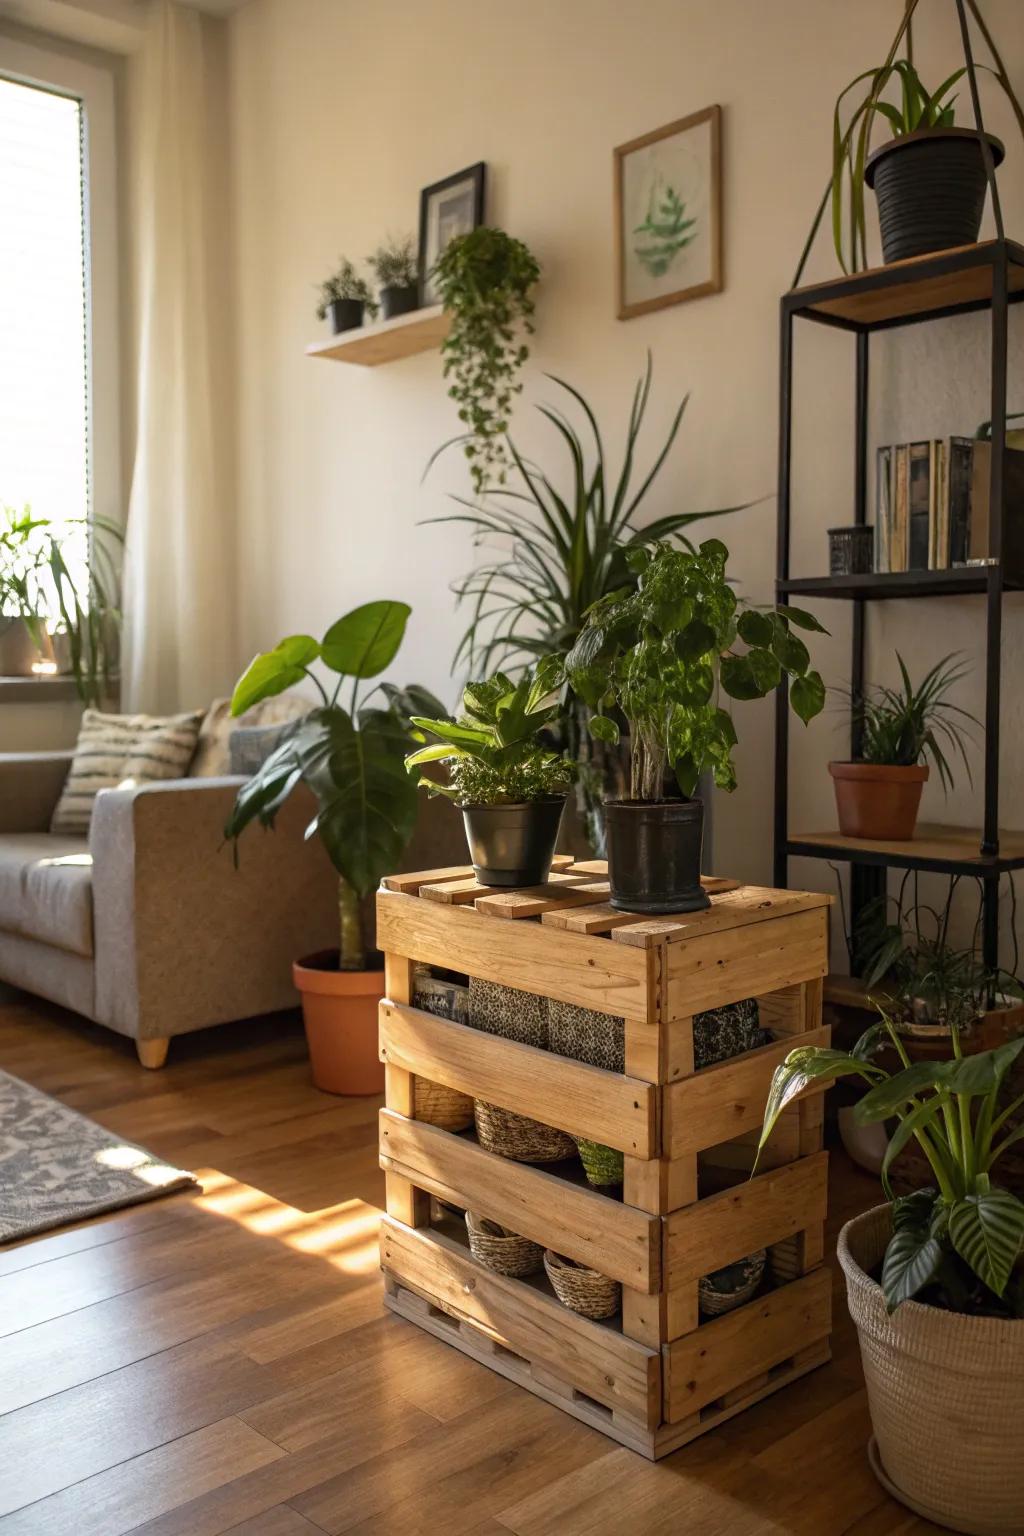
(344, 1234)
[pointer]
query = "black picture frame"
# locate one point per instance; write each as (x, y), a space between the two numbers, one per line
(473, 182)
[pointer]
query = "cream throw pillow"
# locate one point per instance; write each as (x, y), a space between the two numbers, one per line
(122, 749)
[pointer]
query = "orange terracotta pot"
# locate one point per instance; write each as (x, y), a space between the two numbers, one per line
(339, 1010)
(877, 800)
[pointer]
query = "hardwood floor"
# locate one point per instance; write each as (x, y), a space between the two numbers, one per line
(221, 1362)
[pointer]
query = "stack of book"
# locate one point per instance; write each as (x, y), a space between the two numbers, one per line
(928, 515)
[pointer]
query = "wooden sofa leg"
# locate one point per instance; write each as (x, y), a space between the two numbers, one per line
(153, 1053)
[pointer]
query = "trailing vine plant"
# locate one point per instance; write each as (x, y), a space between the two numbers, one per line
(485, 279)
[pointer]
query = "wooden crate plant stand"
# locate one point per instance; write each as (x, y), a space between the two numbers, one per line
(657, 1376)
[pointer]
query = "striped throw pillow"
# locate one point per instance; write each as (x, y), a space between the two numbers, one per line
(122, 749)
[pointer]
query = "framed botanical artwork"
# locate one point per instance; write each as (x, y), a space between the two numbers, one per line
(668, 214)
(448, 208)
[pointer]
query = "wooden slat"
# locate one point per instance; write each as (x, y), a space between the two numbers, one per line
(462, 887)
(610, 1237)
(726, 1099)
(534, 900)
(721, 968)
(722, 1355)
(725, 1227)
(408, 885)
(583, 1100)
(735, 908)
(571, 968)
(596, 1360)
(599, 919)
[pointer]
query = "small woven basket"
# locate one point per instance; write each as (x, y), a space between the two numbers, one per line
(580, 1289)
(603, 1166)
(732, 1285)
(501, 1250)
(519, 1138)
(441, 1106)
(584, 1035)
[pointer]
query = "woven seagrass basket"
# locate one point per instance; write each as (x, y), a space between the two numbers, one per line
(732, 1285)
(603, 1166)
(580, 1289)
(519, 1138)
(946, 1394)
(501, 1250)
(441, 1106)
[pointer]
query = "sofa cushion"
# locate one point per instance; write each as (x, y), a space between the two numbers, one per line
(213, 754)
(122, 749)
(46, 889)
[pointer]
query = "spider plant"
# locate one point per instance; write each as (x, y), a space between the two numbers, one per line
(907, 725)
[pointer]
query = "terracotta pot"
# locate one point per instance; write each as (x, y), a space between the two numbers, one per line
(339, 1010)
(877, 800)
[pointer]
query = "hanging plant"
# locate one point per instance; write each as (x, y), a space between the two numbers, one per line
(485, 279)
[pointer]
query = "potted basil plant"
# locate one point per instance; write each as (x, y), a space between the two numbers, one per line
(934, 1281)
(656, 657)
(351, 760)
(511, 787)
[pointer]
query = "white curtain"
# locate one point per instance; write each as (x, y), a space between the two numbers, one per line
(179, 649)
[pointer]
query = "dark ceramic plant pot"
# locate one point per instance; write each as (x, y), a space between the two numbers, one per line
(513, 845)
(654, 849)
(930, 187)
(395, 301)
(346, 314)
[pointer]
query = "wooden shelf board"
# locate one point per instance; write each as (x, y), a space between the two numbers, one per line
(879, 585)
(918, 288)
(387, 340)
(933, 845)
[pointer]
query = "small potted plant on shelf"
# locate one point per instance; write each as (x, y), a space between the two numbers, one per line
(486, 279)
(395, 266)
(657, 655)
(934, 1280)
(511, 787)
(902, 729)
(23, 566)
(351, 760)
(346, 298)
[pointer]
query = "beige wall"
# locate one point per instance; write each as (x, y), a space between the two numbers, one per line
(342, 112)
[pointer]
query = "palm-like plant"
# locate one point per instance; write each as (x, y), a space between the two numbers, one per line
(906, 725)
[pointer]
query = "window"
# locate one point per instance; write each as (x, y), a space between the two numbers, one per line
(59, 358)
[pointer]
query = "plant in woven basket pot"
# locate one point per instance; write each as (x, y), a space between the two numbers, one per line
(903, 730)
(510, 786)
(661, 655)
(350, 759)
(934, 1279)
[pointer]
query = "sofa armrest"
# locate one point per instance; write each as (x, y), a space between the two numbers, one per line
(184, 935)
(30, 786)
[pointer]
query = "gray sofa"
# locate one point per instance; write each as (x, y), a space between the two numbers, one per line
(147, 927)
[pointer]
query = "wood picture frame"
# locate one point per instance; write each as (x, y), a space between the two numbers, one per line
(657, 261)
(465, 194)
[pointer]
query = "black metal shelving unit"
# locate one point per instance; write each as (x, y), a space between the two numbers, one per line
(987, 276)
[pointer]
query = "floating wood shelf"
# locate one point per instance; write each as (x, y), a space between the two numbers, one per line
(937, 847)
(386, 341)
(659, 1372)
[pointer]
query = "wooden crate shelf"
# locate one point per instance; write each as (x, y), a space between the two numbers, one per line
(657, 1374)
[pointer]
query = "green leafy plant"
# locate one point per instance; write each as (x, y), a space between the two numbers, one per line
(662, 654)
(666, 230)
(907, 725)
(493, 752)
(350, 758)
(23, 564)
(344, 284)
(486, 279)
(955, 1245)
(395, 264)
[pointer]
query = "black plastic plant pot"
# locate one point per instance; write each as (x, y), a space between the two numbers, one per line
(513, 845)
(345, 314)
(930, 187)
(654, 849)
(395, 301)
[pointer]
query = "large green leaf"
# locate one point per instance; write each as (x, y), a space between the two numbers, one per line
(803, 1066)
(756, 628)
(262, 797)
(912, 1259)
(977, 1074)
(366, 640)
(807, 696)
(274, 671)
(987, 1231)
(801, 618)
(893, 1095)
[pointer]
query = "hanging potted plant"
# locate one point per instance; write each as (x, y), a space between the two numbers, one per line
(934, 1279)
(486, 279)
(351, 760)
(511, 787)
(903, 729)
(346, 298)
(658, 655)
(396, 269)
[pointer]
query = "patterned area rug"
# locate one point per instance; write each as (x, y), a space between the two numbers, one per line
(56, 1166)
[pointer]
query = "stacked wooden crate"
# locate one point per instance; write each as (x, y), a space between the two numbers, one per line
(657, 1375)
